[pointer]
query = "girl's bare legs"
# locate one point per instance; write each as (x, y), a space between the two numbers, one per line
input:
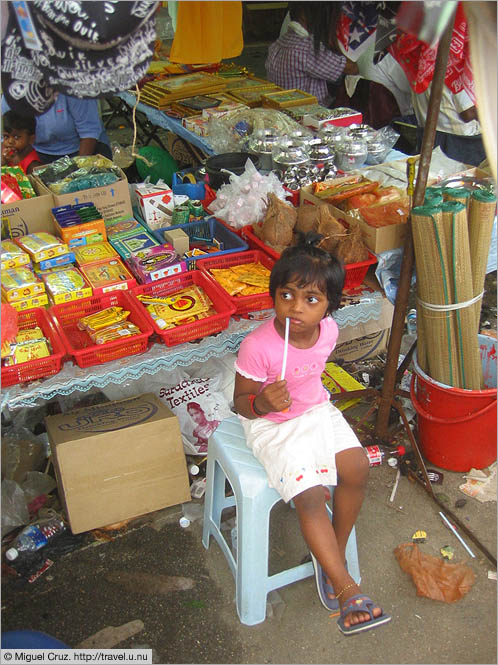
(328, 540)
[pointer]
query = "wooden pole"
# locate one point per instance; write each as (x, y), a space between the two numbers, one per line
(402, 295)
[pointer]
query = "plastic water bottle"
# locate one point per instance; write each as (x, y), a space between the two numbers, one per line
(35, 536)
(411, 322)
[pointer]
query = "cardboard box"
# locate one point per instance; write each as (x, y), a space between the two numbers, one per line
(113, 200)
(364, 340)
(155, 203)
(362, 348)
(118, 460)
(30, 215)
(179, 239)
(376, 239)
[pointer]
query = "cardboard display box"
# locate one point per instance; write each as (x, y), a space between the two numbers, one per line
(118, 460)
(376, 239)
(30, 215)
(113, 200)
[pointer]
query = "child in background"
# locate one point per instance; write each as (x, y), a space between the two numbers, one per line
(301, 439)
(17, 141)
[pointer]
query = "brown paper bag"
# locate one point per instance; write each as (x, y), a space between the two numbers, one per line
(435, 578)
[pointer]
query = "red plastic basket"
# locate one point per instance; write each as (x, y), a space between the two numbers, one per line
(197, 329)
(78, 342)
(242, 304)
(355, 272)
(255, 243)
(36, 369)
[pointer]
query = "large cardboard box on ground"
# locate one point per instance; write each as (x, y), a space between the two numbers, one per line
(118, 460)
(29, 215)
(364, 340)
(376, 239)
(113, 200)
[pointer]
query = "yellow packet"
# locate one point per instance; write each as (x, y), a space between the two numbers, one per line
(30, 334)
(31, 351)
(115, 332)
(6, 349)
(13, 256)
(103, 318)
(21, 283)
(42, 246)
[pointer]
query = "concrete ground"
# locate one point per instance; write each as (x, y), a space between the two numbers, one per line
(127, 578)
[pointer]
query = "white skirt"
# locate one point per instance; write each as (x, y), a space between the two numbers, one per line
(300, 453)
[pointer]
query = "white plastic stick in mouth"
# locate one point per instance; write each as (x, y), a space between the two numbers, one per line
(286, 346)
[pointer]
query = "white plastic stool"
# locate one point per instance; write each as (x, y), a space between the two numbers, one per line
(230, 459)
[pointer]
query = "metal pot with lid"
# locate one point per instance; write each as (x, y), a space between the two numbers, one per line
(351, 153)
(377, 151)
(361, 132)
(332, 135)
(261, 143)
(289, 152)
(321, 152)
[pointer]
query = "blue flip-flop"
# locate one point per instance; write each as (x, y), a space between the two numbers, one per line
(323, 587)
(361, 603)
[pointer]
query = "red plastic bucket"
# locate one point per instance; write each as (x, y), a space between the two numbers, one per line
(456, 427)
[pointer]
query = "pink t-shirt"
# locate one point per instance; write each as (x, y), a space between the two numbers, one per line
(260, 358)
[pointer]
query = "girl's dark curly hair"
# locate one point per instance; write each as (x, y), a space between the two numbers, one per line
(308, 264)
(321, 21)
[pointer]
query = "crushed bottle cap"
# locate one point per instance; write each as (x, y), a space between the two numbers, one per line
(393, 462)
(447, 552)
(419, 536)
(184, 522)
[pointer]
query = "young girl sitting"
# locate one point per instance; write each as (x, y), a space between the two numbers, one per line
(301, 439)
(17, 141)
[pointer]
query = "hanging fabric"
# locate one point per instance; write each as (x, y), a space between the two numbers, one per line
(207, 32)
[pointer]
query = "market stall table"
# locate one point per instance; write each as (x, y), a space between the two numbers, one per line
(361, 307)
(160, 119)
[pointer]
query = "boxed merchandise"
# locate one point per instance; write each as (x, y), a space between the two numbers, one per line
(12, 256)
(28, 303)
(197, 125)
(116, 228)
(42, 246)
(56, 262)
(153, 263)
(97, 251)
(118, 460)
(155, 203)
(112, 200)
(79, 225)
(66, 285)
(340, 117)
(20, 283)
(108, 275)
(126, 245)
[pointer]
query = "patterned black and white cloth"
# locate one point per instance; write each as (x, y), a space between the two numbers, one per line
(82, 48)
